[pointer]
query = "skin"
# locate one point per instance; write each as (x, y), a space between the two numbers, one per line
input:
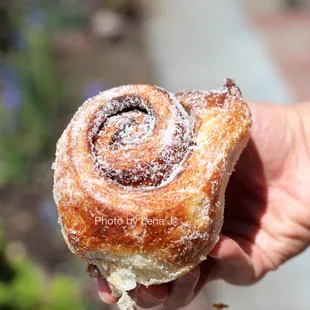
(267, 210)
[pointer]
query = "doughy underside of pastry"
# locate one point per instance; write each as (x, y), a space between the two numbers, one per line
(192, 191)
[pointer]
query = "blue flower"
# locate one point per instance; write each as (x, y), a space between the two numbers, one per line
(93, 88)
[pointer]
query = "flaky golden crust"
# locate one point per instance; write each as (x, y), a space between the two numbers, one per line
(141, 171)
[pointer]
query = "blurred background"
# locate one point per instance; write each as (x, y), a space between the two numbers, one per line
(54, 54)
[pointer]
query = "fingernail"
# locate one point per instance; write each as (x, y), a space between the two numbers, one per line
(104, 291)
(216, 256)
(215, 253)
(107, 298)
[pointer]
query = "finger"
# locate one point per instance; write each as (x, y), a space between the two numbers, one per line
(182, 290)
(233, 264)
(208, 273)
(151, 296)
(105, 293)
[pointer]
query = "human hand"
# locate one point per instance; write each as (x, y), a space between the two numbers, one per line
(267, 211)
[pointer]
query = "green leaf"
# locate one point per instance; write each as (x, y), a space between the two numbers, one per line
(27, 289)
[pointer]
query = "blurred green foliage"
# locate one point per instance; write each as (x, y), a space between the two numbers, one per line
(35, 100)
(33, 105)
(32, 121)
(23, 286)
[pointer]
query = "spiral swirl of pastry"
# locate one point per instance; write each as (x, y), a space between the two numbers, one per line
(140, 176)
(147, 129)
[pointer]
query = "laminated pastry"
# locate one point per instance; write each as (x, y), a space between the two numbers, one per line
(140, 177)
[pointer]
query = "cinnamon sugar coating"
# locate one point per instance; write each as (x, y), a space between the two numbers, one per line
(156, 164)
